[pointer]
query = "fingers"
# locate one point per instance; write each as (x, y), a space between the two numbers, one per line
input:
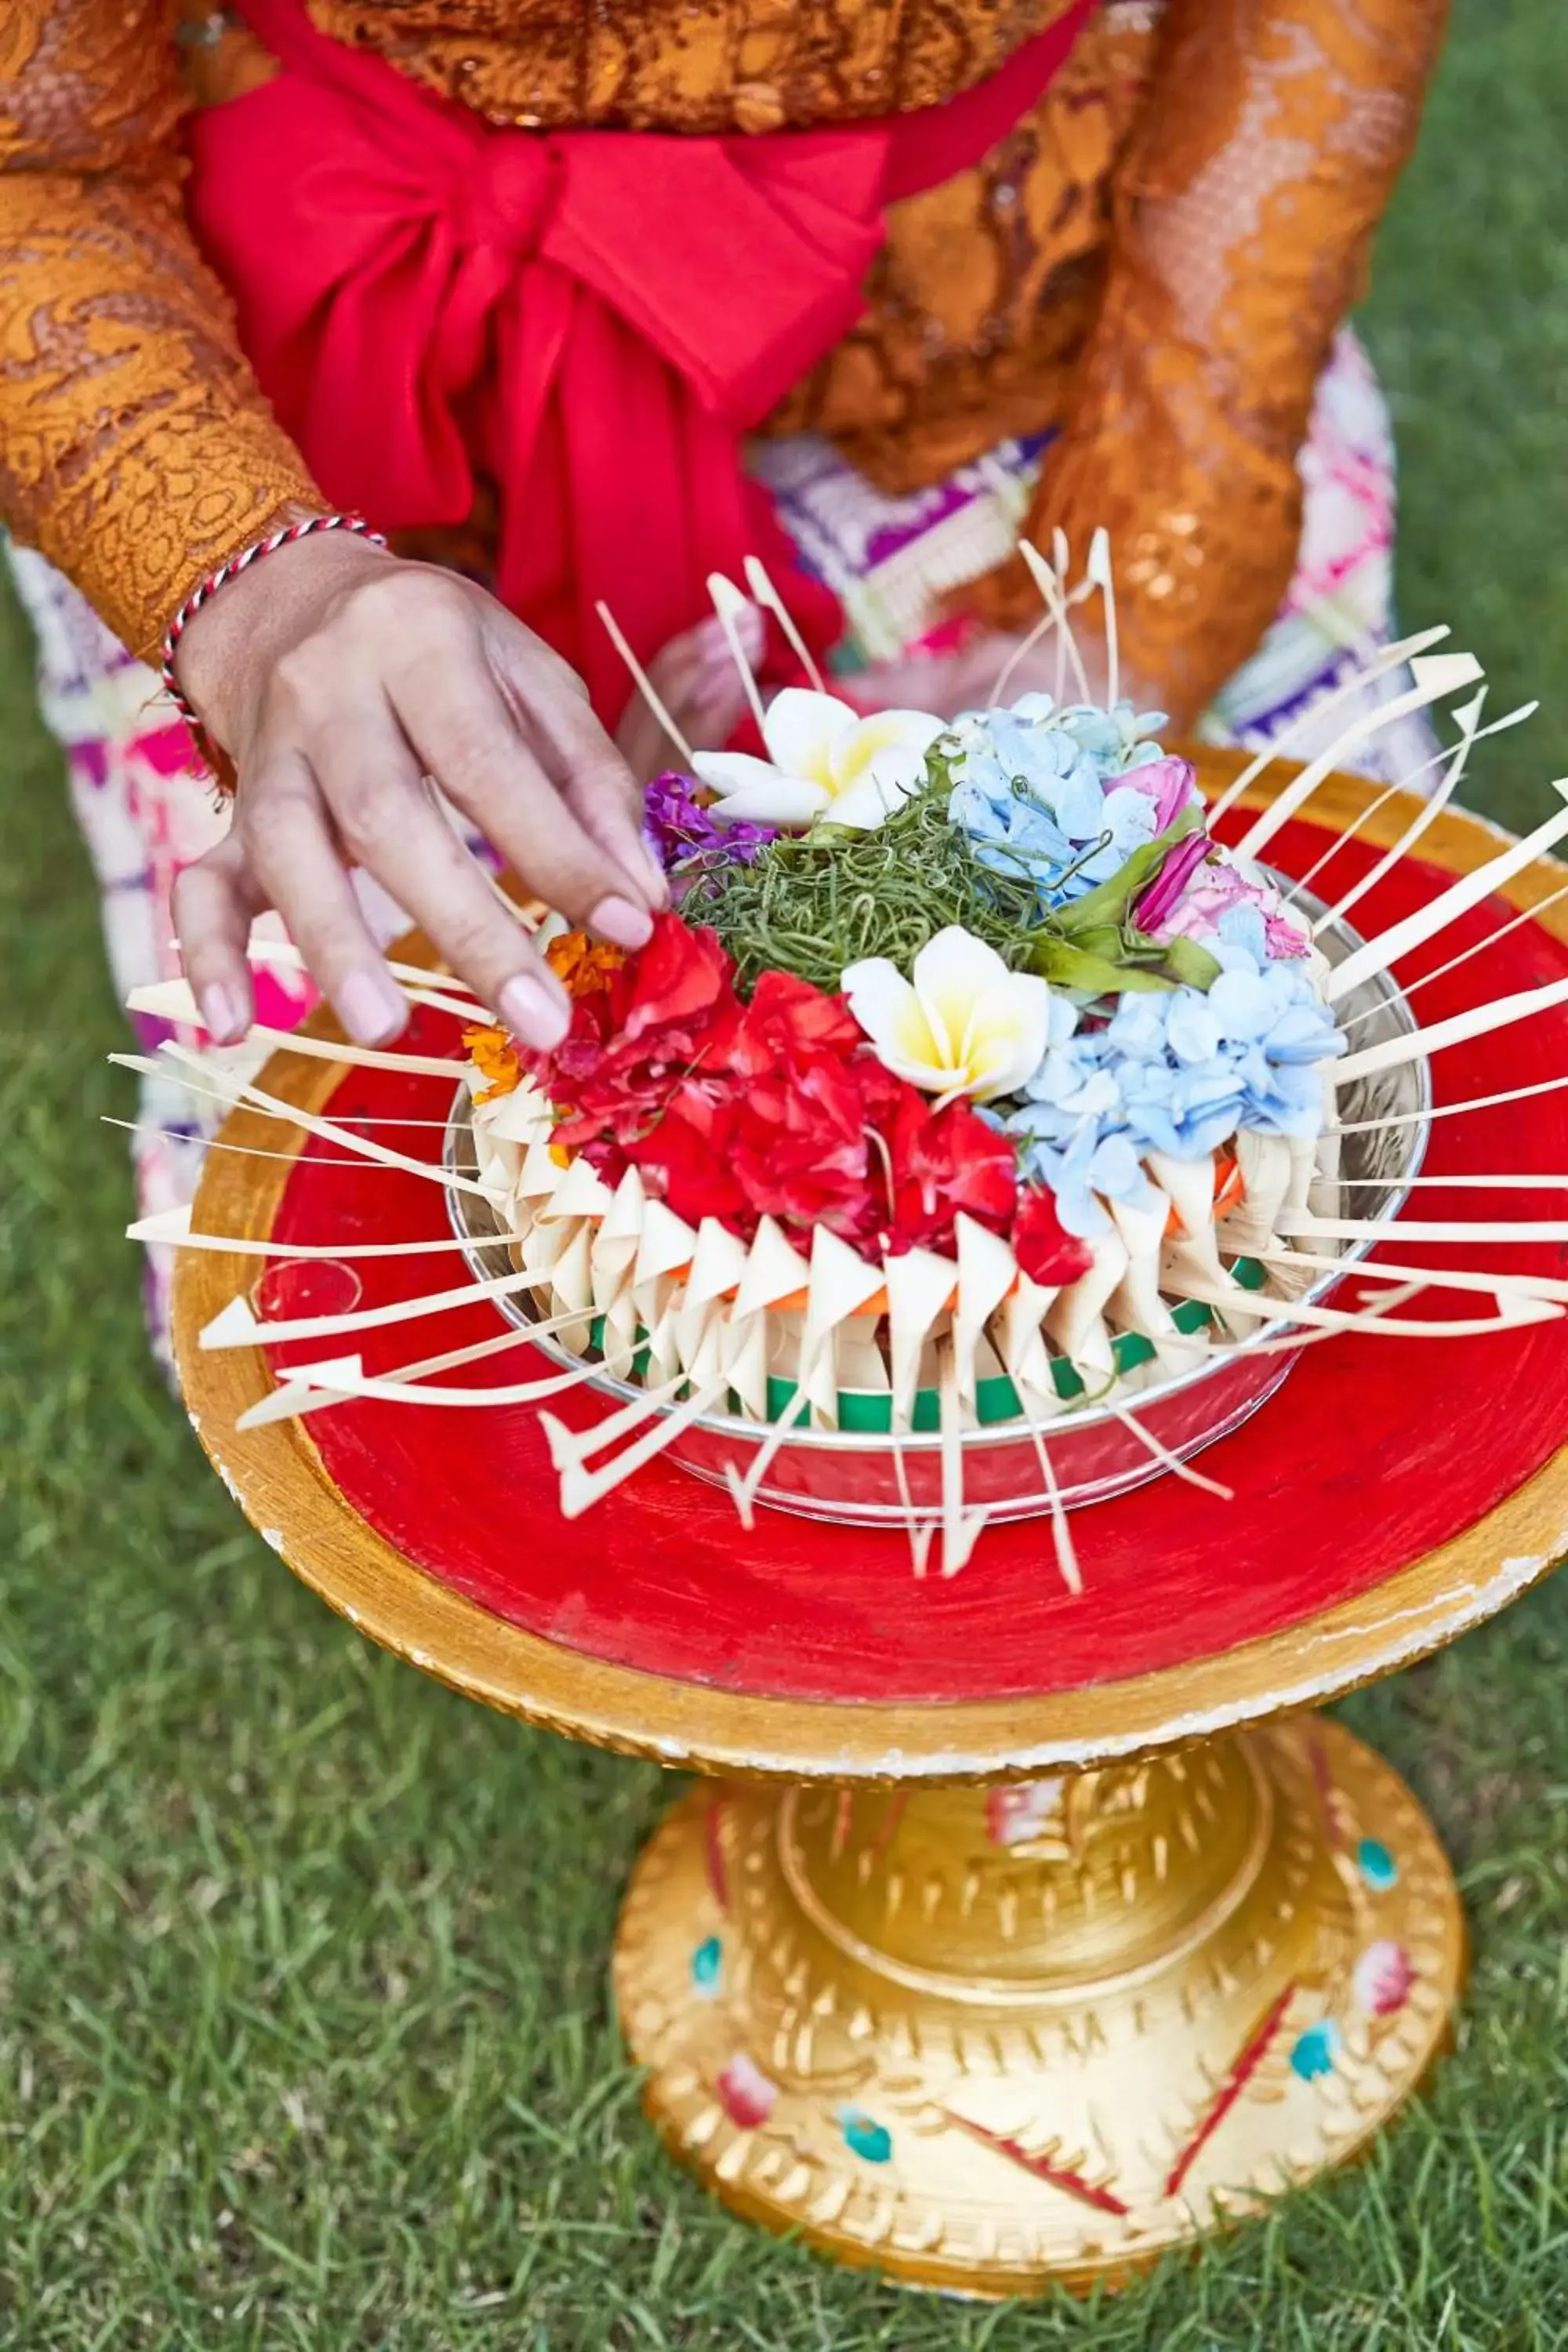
(388, 823)
(294, 856)
(213, 902)
(465, 730)
(592, 776)
(401, 674)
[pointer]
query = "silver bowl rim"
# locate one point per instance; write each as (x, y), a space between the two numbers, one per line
(1000, 1433)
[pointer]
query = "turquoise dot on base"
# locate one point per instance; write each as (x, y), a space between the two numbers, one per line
(707, 1962)
(865, 2136)
(1313, 2053)
(1377, 1866)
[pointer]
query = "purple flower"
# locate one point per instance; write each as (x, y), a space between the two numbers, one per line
(1164, 893)
(680, 830)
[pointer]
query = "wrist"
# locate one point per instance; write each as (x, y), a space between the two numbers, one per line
(225, 639)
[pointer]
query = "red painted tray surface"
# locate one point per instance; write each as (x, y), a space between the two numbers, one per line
(1374, 1452)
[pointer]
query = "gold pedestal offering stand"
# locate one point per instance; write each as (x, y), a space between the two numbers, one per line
(982, 2039)
(989, 1992)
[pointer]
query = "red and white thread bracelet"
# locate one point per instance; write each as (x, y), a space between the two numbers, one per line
(206, 590)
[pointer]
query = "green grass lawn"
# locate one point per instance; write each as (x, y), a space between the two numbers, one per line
(304, 2037)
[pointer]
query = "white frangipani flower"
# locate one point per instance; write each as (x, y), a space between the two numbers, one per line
(824, 762)
(960, 1024)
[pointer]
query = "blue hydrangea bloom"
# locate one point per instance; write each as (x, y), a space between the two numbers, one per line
(1115, 739)
(1036, 789)
(1072, 1082)
(1176, 1071)
(1098, 1163)
(1185, 1113)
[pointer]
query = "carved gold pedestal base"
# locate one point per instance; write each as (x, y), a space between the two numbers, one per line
(983, 2039)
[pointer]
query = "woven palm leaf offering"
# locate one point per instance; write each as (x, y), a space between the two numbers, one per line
(976, 1137)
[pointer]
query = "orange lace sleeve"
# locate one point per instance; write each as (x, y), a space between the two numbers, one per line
(135, 448)
(1244, 208)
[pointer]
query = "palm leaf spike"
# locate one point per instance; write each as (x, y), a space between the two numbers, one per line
(1165, 1458)
(1435, 676)
(1061, 558)
(233, 1088)
(353, 1381)
(1495, 1286)
(1458, 757)
(171, 1229)
(216, 1143)
(641, 680)
(171, 1000)
(764, 594)
(299, 1395)
(1020, 653)
(728, 602)
(1481, 1020)
(1102, 573)
(284, 952)
(579, 1488)
(1045, 579)
(919, 1532)
(1061, 1532)
(961, 1529)
(1381, 666)
(1447, 1110)
(1388, 947)
(1413, 988)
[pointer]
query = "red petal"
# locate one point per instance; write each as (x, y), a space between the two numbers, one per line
(1046, 1252)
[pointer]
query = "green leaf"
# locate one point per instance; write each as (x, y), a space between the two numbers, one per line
(1191, 965)
(1105, 939)
(1109, 900)
(1065, 965)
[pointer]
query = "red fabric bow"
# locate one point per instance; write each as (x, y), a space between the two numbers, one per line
(586, 322)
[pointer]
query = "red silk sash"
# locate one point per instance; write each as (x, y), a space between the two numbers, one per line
(584, 322)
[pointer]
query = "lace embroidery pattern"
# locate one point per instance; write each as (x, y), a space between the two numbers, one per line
(670, 65)
(985, 289)
(135, 449)
(1242, 224)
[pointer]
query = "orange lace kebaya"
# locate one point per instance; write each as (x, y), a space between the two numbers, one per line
(1155, 261)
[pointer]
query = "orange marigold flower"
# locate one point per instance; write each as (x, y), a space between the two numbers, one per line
(581, 965)
(495, 1058)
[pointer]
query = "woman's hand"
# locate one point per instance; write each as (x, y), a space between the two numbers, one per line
(338, 678)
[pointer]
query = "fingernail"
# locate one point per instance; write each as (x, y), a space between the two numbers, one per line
(534, 1011)
(223, 1014)
(372, 1007)
(623, 925)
